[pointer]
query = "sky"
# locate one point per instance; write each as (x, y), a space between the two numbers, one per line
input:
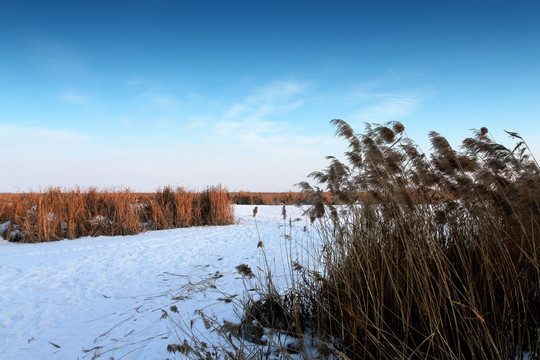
(150, 93)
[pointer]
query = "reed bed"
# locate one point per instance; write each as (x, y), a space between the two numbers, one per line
(57, 214)
(271, 198)
(427, 257)
(452, 272)
(265, 198)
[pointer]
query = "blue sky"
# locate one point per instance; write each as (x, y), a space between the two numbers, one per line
(146, 93)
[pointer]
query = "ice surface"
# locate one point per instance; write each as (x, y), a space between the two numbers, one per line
(105, 297)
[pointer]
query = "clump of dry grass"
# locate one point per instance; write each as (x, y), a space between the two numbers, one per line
(245, 270)
(58, 214)
(441, 261)
(215, 207)
(426, 257)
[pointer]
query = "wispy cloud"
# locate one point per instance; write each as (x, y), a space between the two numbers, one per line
(57, 57)
(257, 115)
(386, 107)
(250, 142)
(277, 90)
(279, 96)
(133, 81)
(39, 138)
(160, 100)
(74, 97)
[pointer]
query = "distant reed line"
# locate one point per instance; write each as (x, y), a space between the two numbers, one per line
(270, 198)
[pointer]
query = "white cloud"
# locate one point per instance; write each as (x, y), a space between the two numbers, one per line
(251, 143)
(258, 115)
(133, 81)
(226, 128)
(160, 100)
(387, 107)
(235, 111)
(73, 97)
(277, 96)
(35, 137)
(57, 57)
(199, 121)
(277, 90)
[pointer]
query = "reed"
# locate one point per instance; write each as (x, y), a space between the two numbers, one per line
(427, 257)
(270, 198)
(452, 272)
(214, 204)
(58, 214)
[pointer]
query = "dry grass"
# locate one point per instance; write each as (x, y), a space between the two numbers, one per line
(430, 277)
(271, 198)
(58, 214)
(440, 261)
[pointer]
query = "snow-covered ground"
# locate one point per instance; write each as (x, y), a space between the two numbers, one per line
(110, 297)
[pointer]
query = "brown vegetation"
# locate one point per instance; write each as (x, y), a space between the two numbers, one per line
(440, 261)
(57, 214)
(457, 279)
(271, 198)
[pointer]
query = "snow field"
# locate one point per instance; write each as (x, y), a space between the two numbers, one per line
(111, 297)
